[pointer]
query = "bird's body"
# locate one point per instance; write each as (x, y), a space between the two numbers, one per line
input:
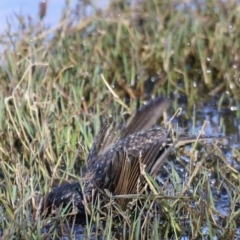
(114, 163)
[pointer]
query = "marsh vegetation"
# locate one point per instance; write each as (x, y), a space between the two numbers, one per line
(58, 84)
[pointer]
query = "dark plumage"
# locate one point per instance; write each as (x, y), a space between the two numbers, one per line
(114, 162)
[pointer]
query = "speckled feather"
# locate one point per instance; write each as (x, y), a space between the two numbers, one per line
(113, 159)
(114, 163)
(106, 171)
(106, 161)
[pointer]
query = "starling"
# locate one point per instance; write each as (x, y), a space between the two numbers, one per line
(114, 161)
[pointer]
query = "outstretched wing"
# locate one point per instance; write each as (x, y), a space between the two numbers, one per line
(106, 137)
(144, 118)
(118, 170)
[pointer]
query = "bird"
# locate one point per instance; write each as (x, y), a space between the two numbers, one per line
(114, 161)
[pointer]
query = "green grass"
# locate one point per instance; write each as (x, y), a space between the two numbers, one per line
(53, 98)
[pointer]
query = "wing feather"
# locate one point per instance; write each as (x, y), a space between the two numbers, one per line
(146, 116)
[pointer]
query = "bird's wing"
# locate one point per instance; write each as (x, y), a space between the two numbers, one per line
(106, 137)
(124, 177)
(120, 168)
(144, 118)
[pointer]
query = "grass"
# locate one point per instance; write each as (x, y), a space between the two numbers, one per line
(54, 95)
